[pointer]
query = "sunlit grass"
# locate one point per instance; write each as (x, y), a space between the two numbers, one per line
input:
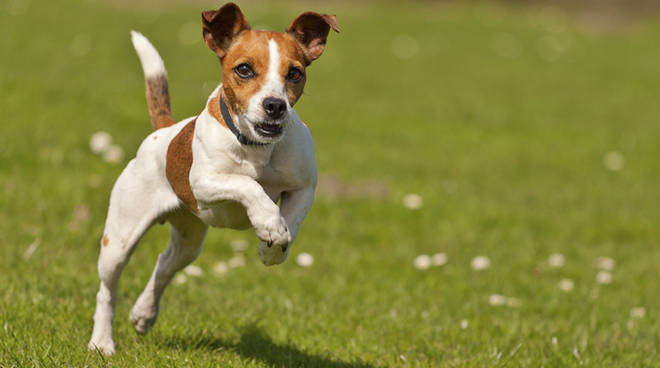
(518, 134)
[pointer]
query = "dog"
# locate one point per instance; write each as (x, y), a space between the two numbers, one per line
(227, 167)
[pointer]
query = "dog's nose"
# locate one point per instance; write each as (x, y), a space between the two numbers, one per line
(274, 107)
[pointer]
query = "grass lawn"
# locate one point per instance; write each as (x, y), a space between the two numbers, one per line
(526, 132)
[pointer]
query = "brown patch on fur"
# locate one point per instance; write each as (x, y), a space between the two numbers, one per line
(105, 240)
(177, 165)
(158, 100)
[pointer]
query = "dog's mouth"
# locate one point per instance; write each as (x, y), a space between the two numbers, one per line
(268, 130)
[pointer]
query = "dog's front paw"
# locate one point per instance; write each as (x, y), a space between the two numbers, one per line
(273, 231)
(273, 254)
(275, 238)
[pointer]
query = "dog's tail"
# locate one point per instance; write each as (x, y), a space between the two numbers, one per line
(155, 77)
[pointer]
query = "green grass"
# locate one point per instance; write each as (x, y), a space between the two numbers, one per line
(500, 121)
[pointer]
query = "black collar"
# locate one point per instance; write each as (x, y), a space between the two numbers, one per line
(242, 139)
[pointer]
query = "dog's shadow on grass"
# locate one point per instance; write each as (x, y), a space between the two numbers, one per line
(256, 344)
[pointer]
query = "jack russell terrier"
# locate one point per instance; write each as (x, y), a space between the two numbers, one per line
(227, 167)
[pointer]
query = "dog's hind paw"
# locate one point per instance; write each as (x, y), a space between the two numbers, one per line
(105, 346)
(142, 320)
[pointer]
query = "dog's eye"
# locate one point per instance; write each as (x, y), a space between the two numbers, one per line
(294, 74)
(244, 71)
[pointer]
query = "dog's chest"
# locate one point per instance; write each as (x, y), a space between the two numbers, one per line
(232, 214)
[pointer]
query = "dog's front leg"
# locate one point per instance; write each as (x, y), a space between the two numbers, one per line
(269, 225)
(295, 206)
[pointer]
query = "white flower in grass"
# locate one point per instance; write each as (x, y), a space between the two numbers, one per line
(239, 245)
(220, 268)
(100, 142)
(413, 201)
(566, 285)
(497, 299)
(180, 279)
(554, 340)
(31, 249)
(439, 259)
(637, 312)
(193, 270)
(305, 260)
(422, 262)
(604, 277)
(464, 324)
(613, 161)
(114, 154)
(576, 353)
(237, 261)
(480, 263)
(605, 263)
(556, 260)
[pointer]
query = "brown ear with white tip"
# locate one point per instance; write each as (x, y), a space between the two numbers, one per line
(311, 31)
(220, 26)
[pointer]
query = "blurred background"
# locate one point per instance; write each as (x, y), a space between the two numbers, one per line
(489, 190)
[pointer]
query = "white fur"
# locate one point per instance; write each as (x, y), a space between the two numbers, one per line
(236, 186)
(152, 63)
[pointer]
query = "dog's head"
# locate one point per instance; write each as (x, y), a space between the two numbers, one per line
(264, 72)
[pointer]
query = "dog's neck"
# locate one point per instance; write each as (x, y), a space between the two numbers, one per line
(220, 143)
(229, 122)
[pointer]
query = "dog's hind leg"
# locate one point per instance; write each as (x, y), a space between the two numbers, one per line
(187, 236)
(134, 206)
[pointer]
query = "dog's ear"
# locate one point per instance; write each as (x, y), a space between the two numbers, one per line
(311, 31)
(220, 26)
